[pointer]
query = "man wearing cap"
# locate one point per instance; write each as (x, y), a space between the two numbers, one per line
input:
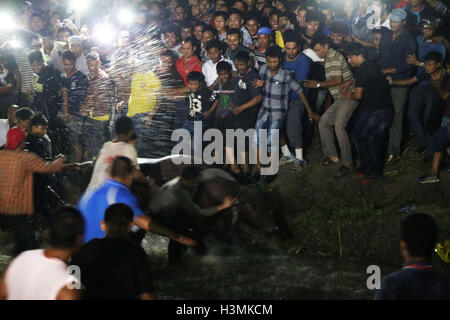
(264, 41)
(426, 43)
(16, 187)
(395, 46)
(77, 49)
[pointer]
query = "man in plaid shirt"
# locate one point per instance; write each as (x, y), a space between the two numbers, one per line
(16, 187)
(276, 83)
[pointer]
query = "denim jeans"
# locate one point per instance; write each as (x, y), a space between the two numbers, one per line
(421, 102)
(370, 133)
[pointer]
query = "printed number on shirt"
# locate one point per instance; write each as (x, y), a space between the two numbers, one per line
(195, 105)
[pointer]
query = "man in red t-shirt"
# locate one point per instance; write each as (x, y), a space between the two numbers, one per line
(189, 61)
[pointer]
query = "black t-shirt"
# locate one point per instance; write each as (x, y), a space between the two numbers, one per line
(245, 91)
(47, 91)
(113, 269)
(377, 92)
(199, 102)
(77, 86)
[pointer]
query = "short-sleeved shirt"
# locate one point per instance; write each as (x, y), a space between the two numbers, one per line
(301, 68)
(376, 90)
(76, 86)
(184, 67)
(416, 281)
(336, 66)
(113, 269)
(199, 102)
(94, 203)
(144, 91)
(275, 91)
(225, 92)
(245, 91)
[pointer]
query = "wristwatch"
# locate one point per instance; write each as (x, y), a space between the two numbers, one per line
(318, 85)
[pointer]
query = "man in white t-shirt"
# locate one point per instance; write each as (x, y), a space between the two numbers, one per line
(214, 50)
(6, 124)
(123, 145)
(43, 274)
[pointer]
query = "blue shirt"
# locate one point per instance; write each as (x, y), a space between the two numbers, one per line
(416, 281)
(393, 54)
(93, 205)
(300, 67)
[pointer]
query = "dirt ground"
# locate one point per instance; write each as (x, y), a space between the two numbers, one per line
(336, 216)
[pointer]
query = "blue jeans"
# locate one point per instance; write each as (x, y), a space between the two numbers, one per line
(265, 121)
(370, 134)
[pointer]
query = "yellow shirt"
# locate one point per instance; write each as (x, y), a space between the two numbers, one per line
(144, 91)
(279, 39)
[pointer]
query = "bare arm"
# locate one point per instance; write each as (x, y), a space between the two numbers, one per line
(3, 288)
(68, 294)
(324, 84)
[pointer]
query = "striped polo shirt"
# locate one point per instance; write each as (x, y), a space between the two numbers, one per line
(335, 66)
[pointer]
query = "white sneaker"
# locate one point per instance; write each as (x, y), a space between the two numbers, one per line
(286, 159)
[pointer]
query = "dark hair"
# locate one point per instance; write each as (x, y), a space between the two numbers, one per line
(118, 217)
(37, 14)
(419, 232)
(191, 172)
(35, 56)
(202, 24)
(224, 66)
(290, 36)
(354, 49)
(173, 28)
(314, 15)
(24, 114)
(252, 15)
(434, 56)
(319, 39)
(47, 33)
(277, 12)
(221, 14)
(186, 24)
(235, 11)
(213, 43)
(339, 28)
(38, 120)
(212, 30)
(64, 227)
(326, 6)
(64, 29)
(274, 52)
(195, 76)
(121, 167)
(68, 55)
(171, 54)
(242, 55)
(123, 125)
(245, 4)
(235, 31)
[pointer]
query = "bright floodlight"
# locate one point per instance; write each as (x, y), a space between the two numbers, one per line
(7, 21)
(15, 44)
(125, 16)
(105, 34)
(79, 5)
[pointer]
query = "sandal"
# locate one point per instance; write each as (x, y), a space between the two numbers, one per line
(327, 161)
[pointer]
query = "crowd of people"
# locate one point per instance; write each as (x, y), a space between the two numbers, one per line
(115, 80)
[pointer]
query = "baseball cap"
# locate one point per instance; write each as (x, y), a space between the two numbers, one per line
(264, 30)
(398, 15)
(14, 137)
